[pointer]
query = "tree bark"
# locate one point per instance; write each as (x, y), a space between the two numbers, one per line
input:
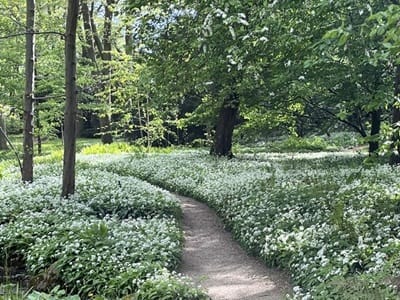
(375, 129)
(128, 40)
(38, 132)
(3, 127)
(105, 128)
(88, 47)
(68, 187)
(105, 121)
(225, 124)
(395, 157)
(27, 164)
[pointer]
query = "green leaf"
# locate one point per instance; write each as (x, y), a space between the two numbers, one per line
(343, 38)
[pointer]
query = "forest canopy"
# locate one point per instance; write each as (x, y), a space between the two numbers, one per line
(159, 73)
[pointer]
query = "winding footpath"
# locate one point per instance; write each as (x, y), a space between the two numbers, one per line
(215, 261)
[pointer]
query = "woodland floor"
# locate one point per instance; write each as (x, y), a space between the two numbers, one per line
(215, 261)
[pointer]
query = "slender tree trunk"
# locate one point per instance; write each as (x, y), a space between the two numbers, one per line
(225, 124)
(375, 129)
(68, 187)
(38, 132)
(128, 40)
(105, 120)
(3, 127)
(395, 157)
(27, 164)
(140, 120)
(106, 136)
(148, 135)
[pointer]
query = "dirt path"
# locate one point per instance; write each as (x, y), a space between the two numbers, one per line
(211, 258)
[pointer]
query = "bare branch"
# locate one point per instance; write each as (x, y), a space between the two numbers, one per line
(12, 148)
(38, 32)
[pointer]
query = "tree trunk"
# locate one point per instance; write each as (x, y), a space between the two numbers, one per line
(88, 47)
(225, 124)
(38, 132)
(27, 164)
(105, 128)
(105, 121)
(128, 40)
(375, 129)
(68, 187)
(395, 157)
(3, 128)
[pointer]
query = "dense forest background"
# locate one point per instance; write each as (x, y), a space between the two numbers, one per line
(157, 73)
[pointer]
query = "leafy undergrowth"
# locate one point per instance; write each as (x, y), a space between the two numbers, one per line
(122, 147)
(116, 237)
(333, 142)
(332, 222)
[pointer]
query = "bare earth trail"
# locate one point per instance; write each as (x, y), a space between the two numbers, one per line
(215, 261)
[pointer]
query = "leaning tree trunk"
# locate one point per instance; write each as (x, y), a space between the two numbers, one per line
(225, 124)
(395, 157)
(68, 187)
(3, 134)
(375, 129)
(27, 165)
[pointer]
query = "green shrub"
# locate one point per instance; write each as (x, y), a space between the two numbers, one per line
(167, 287)
(294, 143)
(122, 147)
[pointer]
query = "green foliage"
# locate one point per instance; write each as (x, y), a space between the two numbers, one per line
(55, 294)
(333, 142)
(14, 292)
(168, 288)
(122, 147)
(322, 216)
(114, 148)
(294, 144)
(355, 288)
(11, 292)
(112, 237)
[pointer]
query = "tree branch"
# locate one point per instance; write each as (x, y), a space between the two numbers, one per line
(361, 130)
(25, 33)
(12, 148)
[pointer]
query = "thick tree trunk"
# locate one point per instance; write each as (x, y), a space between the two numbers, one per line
(225, 124)
(68, 187)
(395, 157)
(3, 128)
(27, 165)
(375, 129)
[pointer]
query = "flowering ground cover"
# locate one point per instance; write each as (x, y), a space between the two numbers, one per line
(117, 237)
(330, 220)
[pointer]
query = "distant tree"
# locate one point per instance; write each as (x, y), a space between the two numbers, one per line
(210, 49)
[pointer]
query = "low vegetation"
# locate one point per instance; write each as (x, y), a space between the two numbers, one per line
(116, 237)
(327, 218)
